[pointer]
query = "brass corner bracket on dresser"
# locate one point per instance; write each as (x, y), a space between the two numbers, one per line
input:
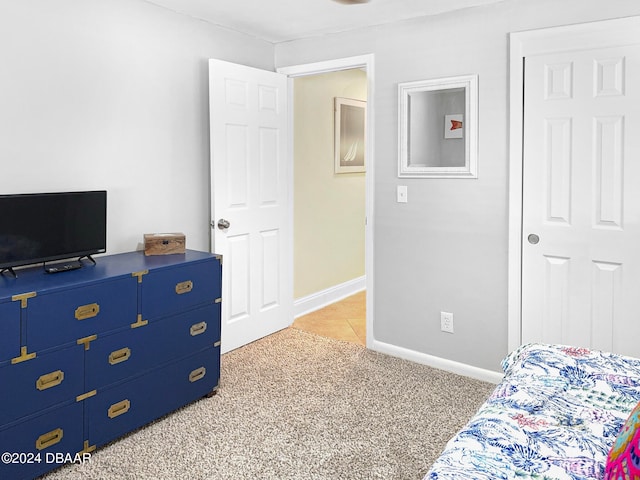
(23, 298)
(24, 356)
(140, 274)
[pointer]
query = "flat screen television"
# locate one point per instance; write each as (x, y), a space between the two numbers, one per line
(44, 227)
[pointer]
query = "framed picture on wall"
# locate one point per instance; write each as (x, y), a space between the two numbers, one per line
(438, 128)
(349, 142)
(453, 126)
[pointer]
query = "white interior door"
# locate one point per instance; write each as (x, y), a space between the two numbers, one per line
(581, 199)
(248, 123)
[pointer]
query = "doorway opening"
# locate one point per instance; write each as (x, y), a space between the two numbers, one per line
(332, 243)
(328, 209)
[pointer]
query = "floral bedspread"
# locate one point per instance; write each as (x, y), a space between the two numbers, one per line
(555, 415)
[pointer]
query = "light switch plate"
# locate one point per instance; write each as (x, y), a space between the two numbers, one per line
(402, 194)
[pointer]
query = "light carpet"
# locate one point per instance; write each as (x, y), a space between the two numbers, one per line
(299, 406)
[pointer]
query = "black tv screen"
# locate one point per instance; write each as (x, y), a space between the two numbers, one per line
(43, 227)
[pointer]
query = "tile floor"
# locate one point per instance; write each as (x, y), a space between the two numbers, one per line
(344, 320)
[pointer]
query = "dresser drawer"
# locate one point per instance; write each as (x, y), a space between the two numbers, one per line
(133, 351)
(57, 431)
(65, 316)
(171, 290)
(9, 330)
(41, 382)
(127, 406)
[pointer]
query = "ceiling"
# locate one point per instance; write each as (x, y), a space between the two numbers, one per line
(281, 20)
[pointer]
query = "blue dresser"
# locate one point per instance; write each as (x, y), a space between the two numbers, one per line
(88, 355)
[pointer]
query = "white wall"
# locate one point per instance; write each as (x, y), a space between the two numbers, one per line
(446, 250)
(328, 207)
(113, 94)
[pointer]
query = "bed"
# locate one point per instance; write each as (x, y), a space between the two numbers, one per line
(556, 415)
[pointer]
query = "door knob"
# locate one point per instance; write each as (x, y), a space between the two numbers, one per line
(223, 224)
(533, 238)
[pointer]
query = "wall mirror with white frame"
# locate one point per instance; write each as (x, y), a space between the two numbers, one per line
(438, 128)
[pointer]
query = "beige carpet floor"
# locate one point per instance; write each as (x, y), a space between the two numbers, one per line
(296, 405)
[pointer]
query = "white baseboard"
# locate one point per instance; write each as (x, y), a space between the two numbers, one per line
(321, 299)
(437, 362)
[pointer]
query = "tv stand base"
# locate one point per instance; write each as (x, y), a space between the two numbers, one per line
(88, 257)
(10, 270)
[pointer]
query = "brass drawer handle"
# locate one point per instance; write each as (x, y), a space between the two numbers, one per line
(198, 329)
(197, 374)
(119, 356)
(119, 408)
(49, 380)
(184, 287)
(50, 438)
(87, 311)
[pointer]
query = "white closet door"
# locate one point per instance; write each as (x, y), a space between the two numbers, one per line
(581, 199)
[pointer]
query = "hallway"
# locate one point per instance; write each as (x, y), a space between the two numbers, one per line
(343, 320)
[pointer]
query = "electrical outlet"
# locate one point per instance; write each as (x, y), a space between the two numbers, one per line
(446, 322)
